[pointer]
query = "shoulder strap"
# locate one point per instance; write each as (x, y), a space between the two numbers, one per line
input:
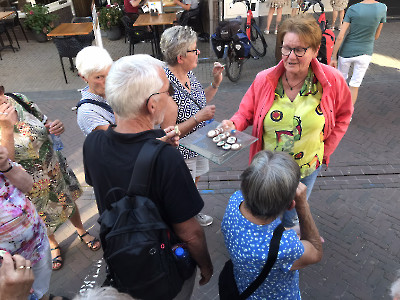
(20, 102)
(143, 169)
(91, 101)
(176, 87)
(272, 256)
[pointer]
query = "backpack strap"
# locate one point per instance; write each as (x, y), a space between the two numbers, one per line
(272, 256)
(91, 101)
(143, 169)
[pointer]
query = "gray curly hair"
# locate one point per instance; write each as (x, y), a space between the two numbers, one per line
(176, 41)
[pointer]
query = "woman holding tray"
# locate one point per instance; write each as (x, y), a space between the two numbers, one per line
(190, 110)
(300, 106)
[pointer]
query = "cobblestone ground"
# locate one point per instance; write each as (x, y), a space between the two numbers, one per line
(355, 202)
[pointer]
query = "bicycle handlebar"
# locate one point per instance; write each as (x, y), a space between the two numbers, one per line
(308, 3)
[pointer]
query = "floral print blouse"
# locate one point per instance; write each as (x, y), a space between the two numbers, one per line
(22, 231)
(55, 186)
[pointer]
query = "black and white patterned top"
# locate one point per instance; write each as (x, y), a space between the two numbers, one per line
(187, 106)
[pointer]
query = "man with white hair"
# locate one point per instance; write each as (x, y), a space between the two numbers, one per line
(139, 93)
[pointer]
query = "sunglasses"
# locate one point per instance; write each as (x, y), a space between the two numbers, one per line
(170, 92)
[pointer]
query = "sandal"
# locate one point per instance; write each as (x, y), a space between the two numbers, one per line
(57, 260)
(90, 244)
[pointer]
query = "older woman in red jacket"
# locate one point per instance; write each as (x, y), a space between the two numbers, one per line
(300, 106)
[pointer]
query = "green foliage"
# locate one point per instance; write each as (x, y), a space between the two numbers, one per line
(110, 15)
(38, 19)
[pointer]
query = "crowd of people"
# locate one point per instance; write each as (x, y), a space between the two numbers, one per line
(299, 110)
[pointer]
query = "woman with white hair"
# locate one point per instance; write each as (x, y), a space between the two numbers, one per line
(179, 47)
(94, 112)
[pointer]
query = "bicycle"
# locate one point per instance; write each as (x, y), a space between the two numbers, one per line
(234, 63)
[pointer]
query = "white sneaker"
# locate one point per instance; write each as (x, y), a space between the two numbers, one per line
(266, 31)
(276, 31)
(204, 220)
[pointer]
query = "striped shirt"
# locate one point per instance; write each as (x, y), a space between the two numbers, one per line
(89, 115)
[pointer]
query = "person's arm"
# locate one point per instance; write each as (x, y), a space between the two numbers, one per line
(193, 235)
(181, 4)
(338, 43)
(309, 234)
(55, 127)
(378, 31)
(8, 118)
(171, 114)
(211, 90)
(135, 3)
(343, 110)
(15, 283)
(17, 176)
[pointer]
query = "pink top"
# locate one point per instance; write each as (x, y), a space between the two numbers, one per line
(21, 229)
(336, 105)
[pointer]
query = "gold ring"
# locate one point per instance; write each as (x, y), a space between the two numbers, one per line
(21, 267)
(28, 268)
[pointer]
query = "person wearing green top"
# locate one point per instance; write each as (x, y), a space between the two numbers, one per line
(363, 21)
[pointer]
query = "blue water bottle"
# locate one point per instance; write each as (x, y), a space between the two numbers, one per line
(185, 263)
(33, 297)
(57, 143)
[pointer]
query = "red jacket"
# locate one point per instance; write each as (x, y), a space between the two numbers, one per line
(336, 105)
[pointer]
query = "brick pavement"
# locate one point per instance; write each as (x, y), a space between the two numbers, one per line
(355, 202)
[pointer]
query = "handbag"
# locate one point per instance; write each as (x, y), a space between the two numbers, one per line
(227, 286)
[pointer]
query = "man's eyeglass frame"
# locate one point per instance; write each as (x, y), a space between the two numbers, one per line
(170, 92)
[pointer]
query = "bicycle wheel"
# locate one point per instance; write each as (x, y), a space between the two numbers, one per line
(233, 66)
(257, 41)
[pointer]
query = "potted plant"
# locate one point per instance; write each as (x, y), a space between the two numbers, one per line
(39, 20)
(110, 20)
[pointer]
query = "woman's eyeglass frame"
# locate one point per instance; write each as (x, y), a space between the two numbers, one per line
(170, 92)
(196, 51)
(294, 51)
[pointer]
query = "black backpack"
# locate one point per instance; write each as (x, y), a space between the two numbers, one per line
(135, 239)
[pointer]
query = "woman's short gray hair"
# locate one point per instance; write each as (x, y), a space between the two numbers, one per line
(395, 287)
(131, 80)
(92, 59)
(269, 184)
(103, 293)
(176, 41)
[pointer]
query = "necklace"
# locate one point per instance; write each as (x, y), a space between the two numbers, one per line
(187, 85)
(291, 87)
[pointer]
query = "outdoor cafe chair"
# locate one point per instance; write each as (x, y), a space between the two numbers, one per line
(69, 47)
(137, 35)
(86, 39)
(12, 21)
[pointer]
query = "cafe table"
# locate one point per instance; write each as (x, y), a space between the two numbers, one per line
(5, 14)
(154, 21)
(67, 29)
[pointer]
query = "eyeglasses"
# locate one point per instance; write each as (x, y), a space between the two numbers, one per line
(170, 92)
(299, 52)
(196, 51)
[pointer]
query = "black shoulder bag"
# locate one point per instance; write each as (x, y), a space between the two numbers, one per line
(226, 282)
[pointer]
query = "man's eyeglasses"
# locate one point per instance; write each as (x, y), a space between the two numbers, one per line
(196, 51)
(299, 52)
(170, 92)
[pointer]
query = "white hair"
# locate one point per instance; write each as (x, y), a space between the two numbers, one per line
(131, 81)
(92, 59)
(395, 288)
(103, 293)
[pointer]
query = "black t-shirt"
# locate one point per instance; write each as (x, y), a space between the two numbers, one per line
(109, 157)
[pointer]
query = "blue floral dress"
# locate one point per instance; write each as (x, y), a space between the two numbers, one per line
(248, 246)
